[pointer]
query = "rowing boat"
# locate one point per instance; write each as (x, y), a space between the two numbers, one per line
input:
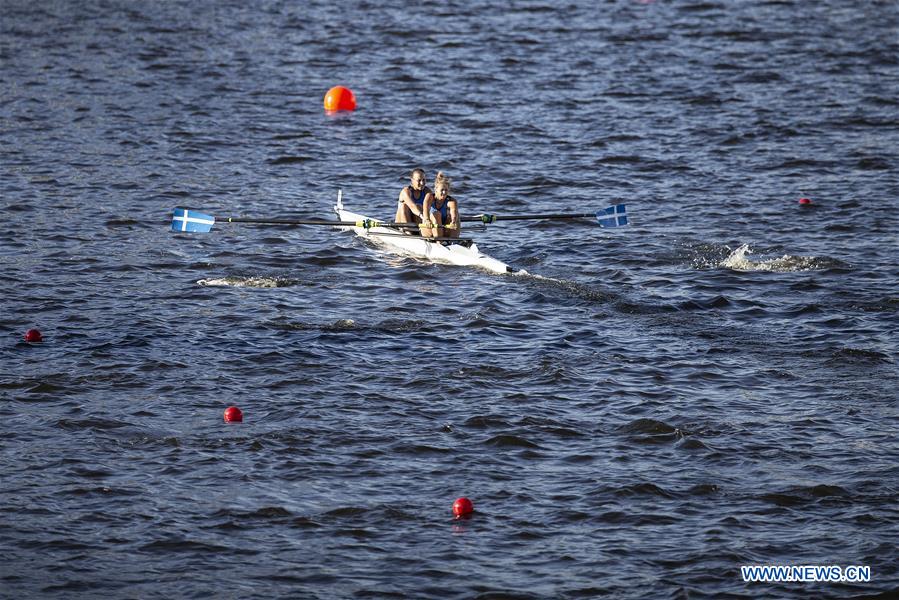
(461, 252)
(395, 236)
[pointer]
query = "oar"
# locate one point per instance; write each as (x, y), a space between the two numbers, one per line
(613, 216)
(187, 219)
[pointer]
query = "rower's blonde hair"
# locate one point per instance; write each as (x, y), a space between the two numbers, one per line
(442, 179)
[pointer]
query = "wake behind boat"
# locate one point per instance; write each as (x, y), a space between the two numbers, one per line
(461, 252)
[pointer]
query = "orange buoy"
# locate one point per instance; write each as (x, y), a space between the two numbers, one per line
(340, 98)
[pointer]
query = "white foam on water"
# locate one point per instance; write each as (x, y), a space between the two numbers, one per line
(254, 282)
(739, 261)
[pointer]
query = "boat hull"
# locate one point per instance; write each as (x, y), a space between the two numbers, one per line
(412, 245)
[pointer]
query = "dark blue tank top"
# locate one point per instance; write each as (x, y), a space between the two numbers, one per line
(420, 200)
(443, 210)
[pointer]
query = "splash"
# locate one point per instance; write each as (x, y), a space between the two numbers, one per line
(252, 282)
(738, 261)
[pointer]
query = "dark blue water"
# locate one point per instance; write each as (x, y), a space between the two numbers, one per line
(711, 387)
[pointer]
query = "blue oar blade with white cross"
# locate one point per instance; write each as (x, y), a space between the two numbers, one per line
(613, 216)
(184, 219)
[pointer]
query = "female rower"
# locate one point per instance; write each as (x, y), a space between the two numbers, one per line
(411, 201)
(442, 209)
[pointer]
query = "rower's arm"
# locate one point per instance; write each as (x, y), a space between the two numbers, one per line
(406, 198)
(453, 212)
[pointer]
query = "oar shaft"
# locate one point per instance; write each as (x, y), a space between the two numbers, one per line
(492, 218)
(312, 222)
(284, 221)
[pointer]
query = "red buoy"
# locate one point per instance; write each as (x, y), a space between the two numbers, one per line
(33, 335)
(805, 201)
(233, 415)
(462, 506)
(340, 98)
